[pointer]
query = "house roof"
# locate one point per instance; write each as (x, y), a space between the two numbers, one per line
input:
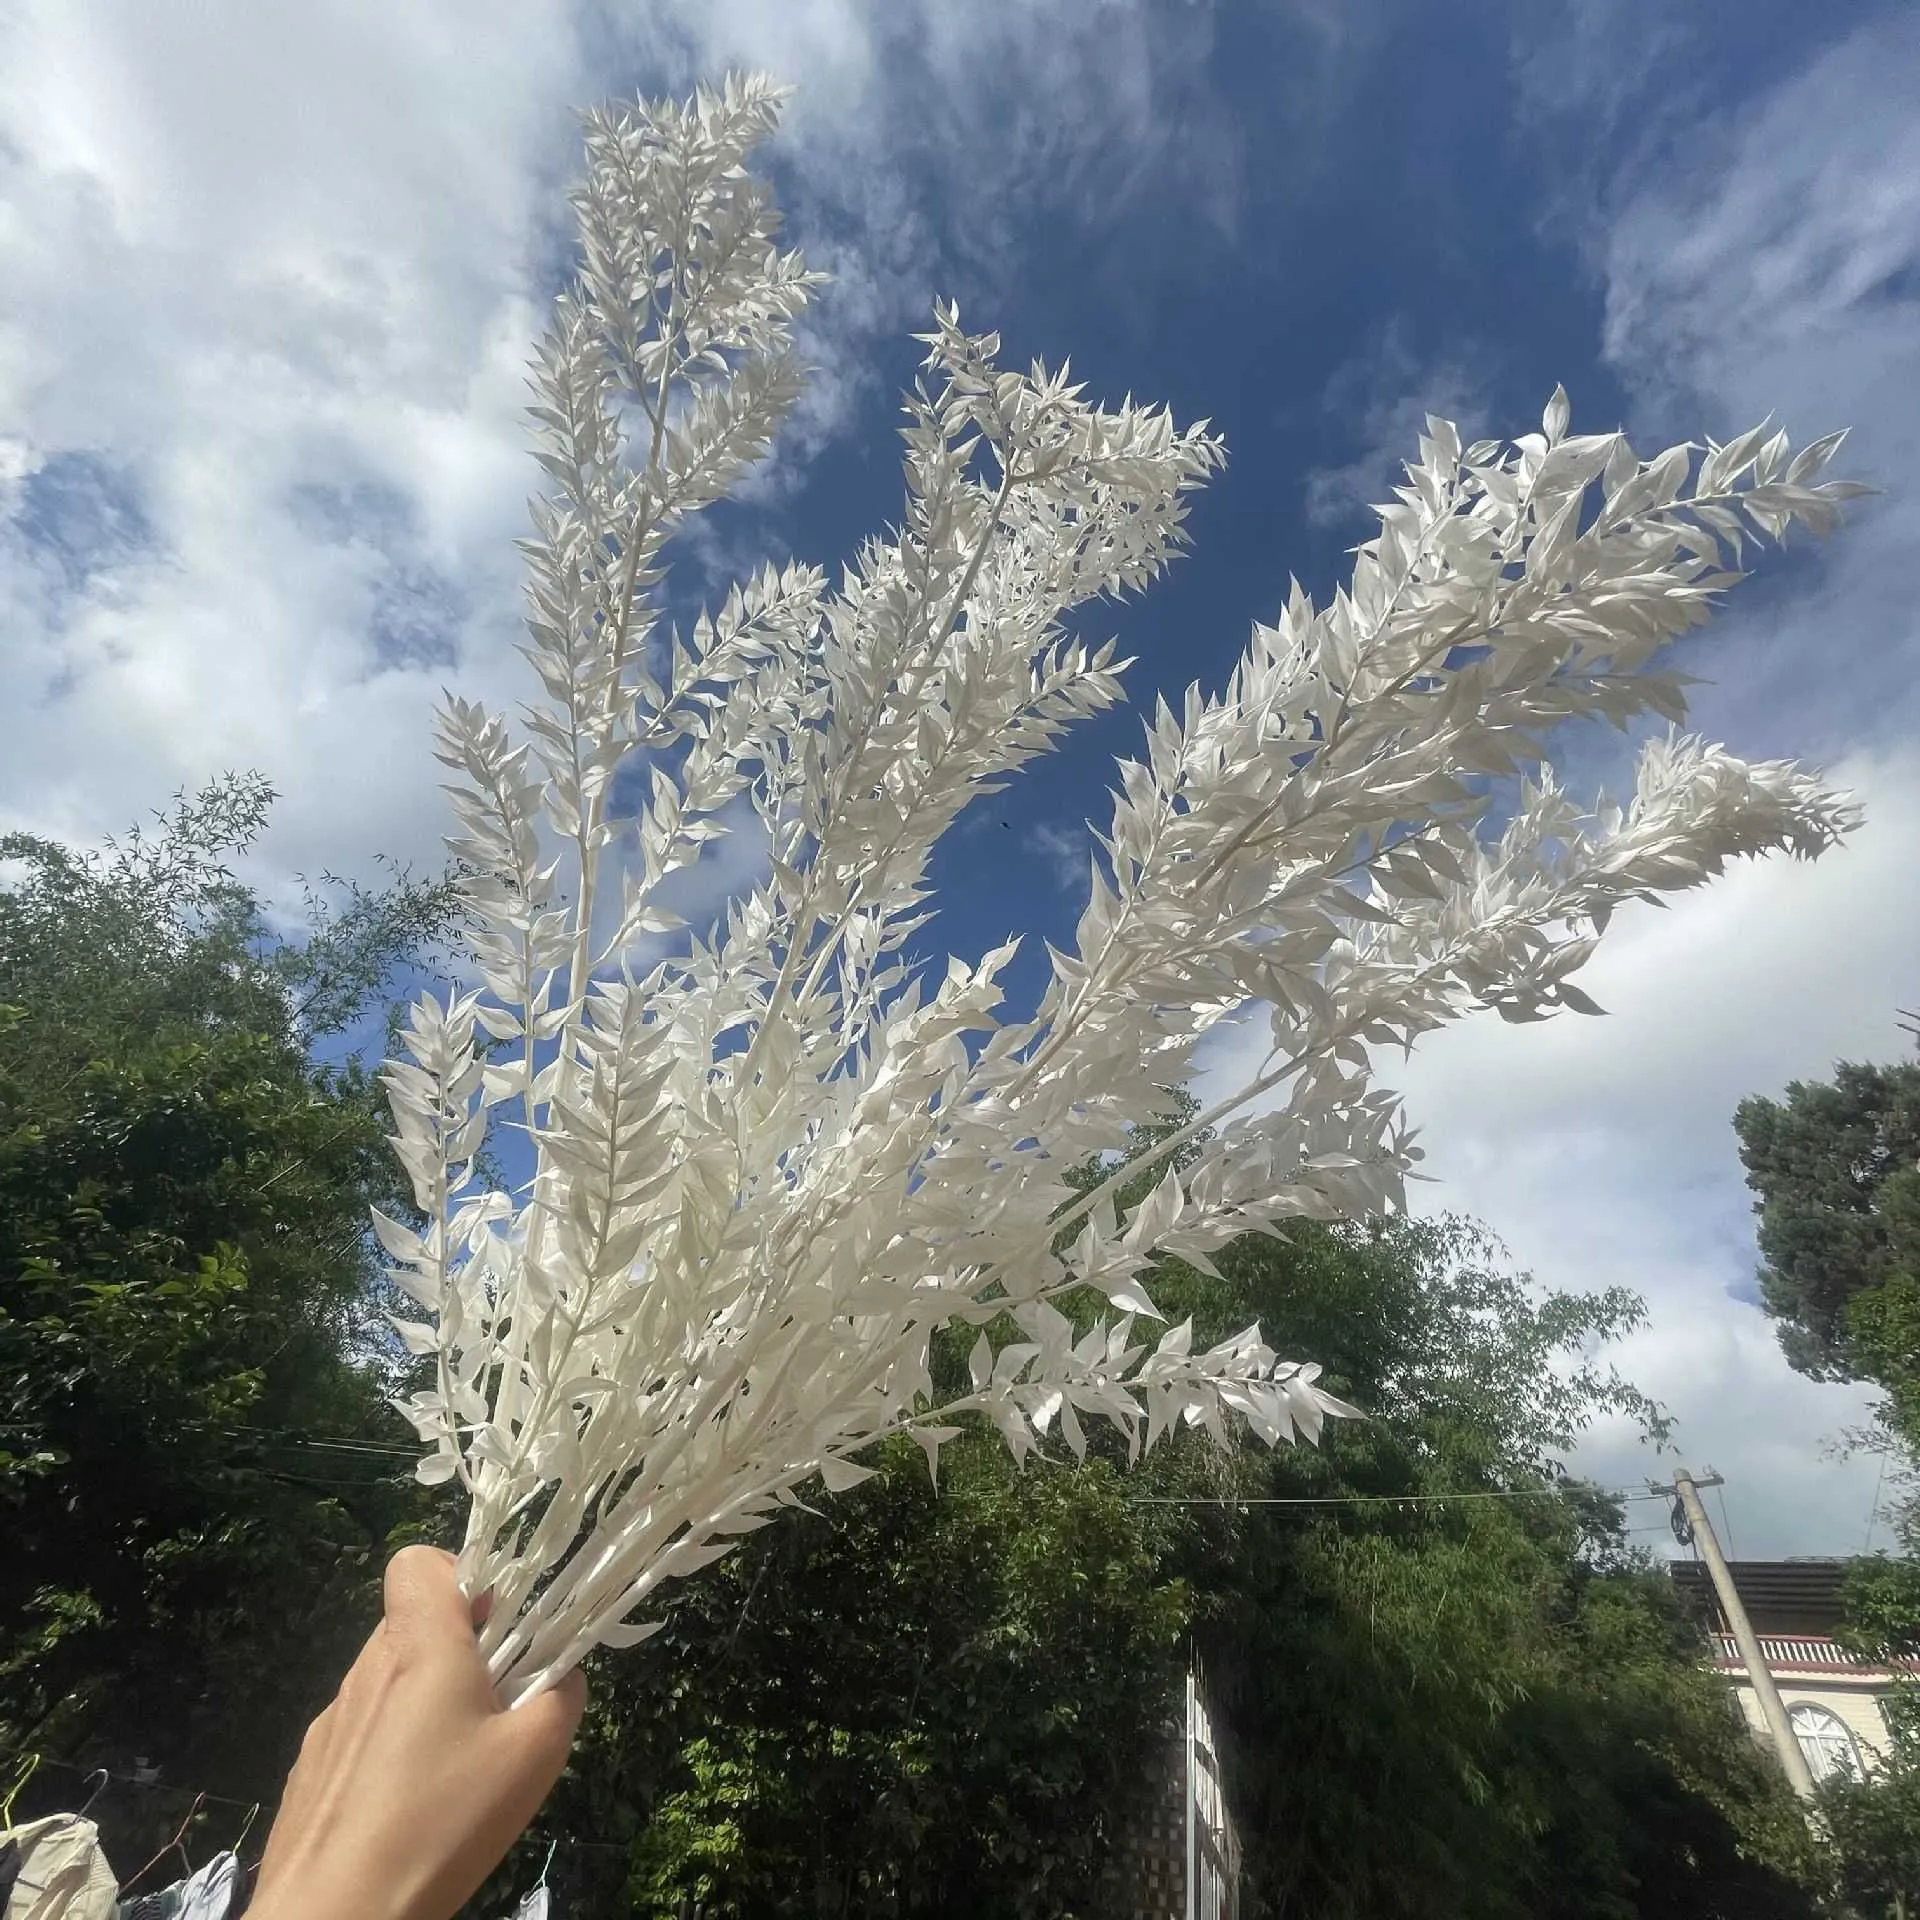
(1780, 1596)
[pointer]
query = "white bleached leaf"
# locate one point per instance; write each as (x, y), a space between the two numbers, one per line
(415, 1336)
(1581, 1002)
(400, 1243)
(436, 1469)
(1131, 1297)
(839, 1475)
(980, 1363)
(930, 1440)
(629, 1633)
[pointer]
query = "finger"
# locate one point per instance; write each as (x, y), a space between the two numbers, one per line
(424, 1603)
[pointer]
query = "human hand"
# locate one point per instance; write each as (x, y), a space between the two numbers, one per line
(413, 1784)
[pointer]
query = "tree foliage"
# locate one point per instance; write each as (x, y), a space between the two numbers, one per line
(954, 1705)
(1874, 1823)
(1482, 1703)
(908, 1703)
(184, 1295)
(1836, 1168)
(902, 1703)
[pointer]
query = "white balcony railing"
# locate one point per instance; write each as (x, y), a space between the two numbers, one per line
(1797, 1652)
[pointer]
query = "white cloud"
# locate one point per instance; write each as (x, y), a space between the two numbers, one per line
(246, 256)
(1387, 393)
(1602, 1150)
(1773, 265)
(1771, 262)
(928, 138)
(1065, 851)
(1024, 103)
(250, 253)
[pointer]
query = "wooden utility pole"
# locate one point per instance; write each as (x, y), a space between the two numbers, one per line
(1773, 1709)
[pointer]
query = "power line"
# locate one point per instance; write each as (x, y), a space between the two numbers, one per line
(295, 1437)
(146, 1785)
(1384, 1499)
(291, 1437)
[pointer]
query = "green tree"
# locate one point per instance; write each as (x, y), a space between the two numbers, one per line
(1874, 1823)
(1462, 1694)
(1835, 1167)
(185, 1294)
(905, 1703)
(953, 1705)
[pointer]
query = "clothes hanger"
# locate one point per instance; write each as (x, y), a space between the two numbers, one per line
(246, 1827)
(96, 1786)
(13, 1793)
(175, 1845)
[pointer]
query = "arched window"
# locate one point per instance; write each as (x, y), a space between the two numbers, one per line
(1824, 1741)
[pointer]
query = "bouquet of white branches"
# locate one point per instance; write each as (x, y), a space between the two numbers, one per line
(775, 1155)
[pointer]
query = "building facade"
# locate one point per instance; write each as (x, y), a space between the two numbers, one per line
(1180, 1858)
(1832, 1699)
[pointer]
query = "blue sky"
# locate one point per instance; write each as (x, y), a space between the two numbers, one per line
(271, 275)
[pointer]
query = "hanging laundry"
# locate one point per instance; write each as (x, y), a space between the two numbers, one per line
(63, 1875)
(538, 1904)
(209, 1894)
(9, 1869)
(243, 1885)
(162, 1904)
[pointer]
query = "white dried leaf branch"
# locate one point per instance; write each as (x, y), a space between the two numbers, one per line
(773, 1166)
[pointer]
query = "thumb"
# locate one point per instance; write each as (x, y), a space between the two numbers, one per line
(424, 1604)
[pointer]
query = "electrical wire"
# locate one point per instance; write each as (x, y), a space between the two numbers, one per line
(369, 1447)
(1385, 1499)
(293, 1437)
(155, 1785)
